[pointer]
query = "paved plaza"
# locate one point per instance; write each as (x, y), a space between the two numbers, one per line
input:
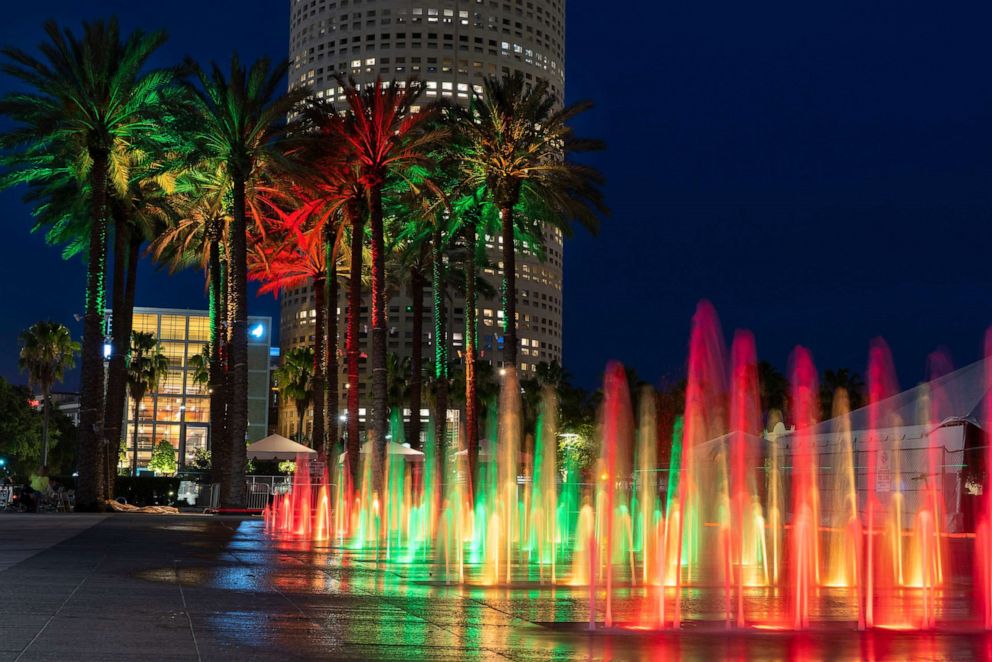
(124, 587)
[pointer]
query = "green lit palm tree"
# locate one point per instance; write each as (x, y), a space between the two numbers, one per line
(199, 237)
(47, 351)
(146, 366)
(295, 380)
(240, 125)
(147, 205)
(517, 145)
(86, 98)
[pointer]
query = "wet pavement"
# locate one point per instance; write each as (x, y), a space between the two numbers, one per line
(124, 587)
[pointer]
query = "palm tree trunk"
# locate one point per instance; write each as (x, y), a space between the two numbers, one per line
(301, 414)
(379, 420)
(126, 246)
(89, 490)
(319, 441)
(439, 288)
(232, 488)
(509, 289)
(471, 397)
(333, 426)
(417, 352)
(352, 349)
(46, 397)
(218, 437)
(134, 437)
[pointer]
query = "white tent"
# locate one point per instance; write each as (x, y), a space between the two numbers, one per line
(392, 448)
(277, 447)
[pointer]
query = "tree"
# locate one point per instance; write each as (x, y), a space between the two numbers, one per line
(47, 351)
(20, 429)
(163, 459)
(198, 369)
(774, 389)
(240, 122)
(295, 381)
(832, 381)
(199, 237)
(142, 205)
(88, 98)
(294, 251)
(517, 148)
(385, 137)
(146, 365)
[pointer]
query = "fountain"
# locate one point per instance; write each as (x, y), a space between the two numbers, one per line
(733, 521)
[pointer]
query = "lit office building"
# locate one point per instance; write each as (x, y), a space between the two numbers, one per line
(178, 411)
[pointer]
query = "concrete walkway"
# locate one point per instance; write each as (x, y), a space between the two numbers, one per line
(152, 587)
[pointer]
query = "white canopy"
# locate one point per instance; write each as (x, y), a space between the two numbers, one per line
(392, 448)
(277, 447)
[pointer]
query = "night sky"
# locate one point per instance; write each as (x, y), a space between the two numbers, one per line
(821, 174)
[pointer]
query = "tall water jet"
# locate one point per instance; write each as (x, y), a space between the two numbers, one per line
(983, 537)
(543, 516)
(745, 424)
(705, 413)
(615, 448)
(803, 538)
(845, 539)
(881, 562)
(508, 468)
(645, 505)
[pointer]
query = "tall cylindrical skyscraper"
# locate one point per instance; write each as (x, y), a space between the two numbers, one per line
(450, 45)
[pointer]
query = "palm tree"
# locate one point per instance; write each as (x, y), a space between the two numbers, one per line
(87, 99)
(517, 147)
(834, 380)
(295, 380)
(199, 238)
(334, 179)
(295, 251)
(199, 369)
(240, 123)
(47, 351)
(145, 206)
(385, 137)
(146, 366)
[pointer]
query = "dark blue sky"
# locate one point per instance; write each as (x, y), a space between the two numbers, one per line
(820, 173)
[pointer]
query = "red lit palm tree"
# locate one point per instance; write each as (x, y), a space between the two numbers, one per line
(385, 134)
(296, 251)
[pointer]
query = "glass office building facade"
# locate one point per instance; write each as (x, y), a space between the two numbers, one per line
(178, 411)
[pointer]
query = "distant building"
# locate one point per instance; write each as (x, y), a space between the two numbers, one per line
(451, 46)
(178, 411)
(64, 402)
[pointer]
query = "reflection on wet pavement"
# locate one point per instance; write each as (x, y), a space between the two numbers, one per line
(214, 588)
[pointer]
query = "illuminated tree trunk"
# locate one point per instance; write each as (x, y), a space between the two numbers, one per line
(471, 396)
(301, 414)
(379, 419)
(509, 292)
(218, 413)
(333, 427)
(137, 397)
(351, 342)
(439, 289)
(46, 398)
(319, 440)
(417, 351)
(120, 330)
(232, 488)
(90, 487)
